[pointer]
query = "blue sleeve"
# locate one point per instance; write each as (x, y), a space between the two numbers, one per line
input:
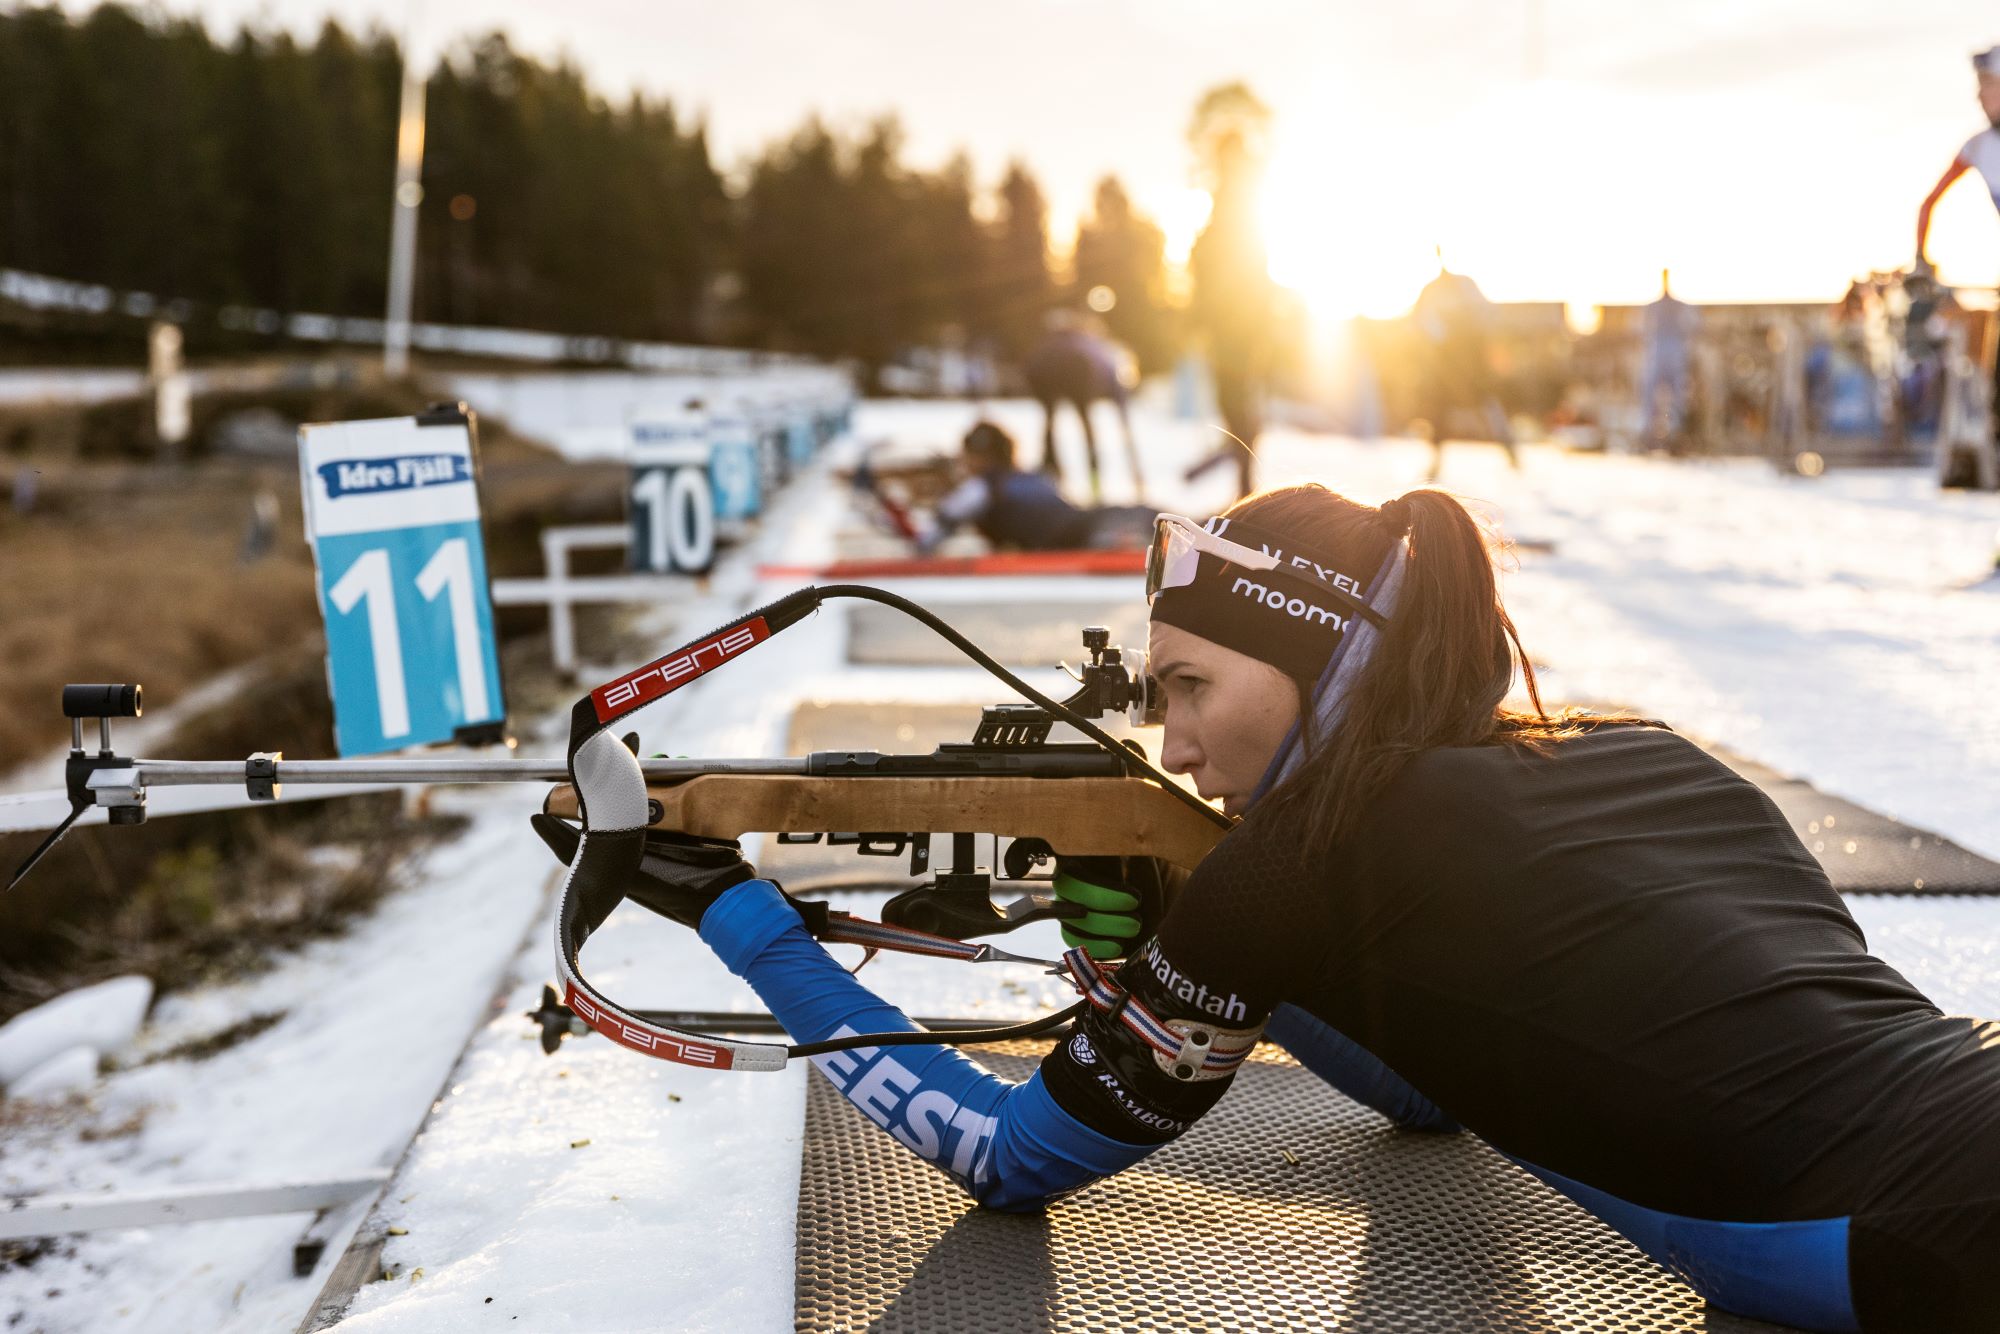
(1009, 1145)
(1354, 1070)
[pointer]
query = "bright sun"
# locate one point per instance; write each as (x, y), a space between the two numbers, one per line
(1339, 227)
(1558, 189)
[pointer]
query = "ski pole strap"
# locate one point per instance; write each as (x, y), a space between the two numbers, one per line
(1189, 1050)
(608, 778)
(612, 808)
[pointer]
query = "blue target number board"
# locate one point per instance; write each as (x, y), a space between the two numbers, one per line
(392, 512)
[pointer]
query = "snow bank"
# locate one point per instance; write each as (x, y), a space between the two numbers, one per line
(67, 1071)
(104, 1017)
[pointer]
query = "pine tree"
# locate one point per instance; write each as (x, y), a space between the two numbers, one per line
(1121, 250)
(1020, 291)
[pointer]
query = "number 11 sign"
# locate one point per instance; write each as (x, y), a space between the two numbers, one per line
(392, 512)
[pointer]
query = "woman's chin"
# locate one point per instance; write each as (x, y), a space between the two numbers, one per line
(1232, 805)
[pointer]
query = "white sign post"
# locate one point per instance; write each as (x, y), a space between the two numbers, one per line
(392, 512)
(173, 398)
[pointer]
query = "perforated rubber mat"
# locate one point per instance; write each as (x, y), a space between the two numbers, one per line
(1287, 1207)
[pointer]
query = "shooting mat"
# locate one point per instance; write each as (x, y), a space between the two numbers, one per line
(1287, 1207)
(1865, 852)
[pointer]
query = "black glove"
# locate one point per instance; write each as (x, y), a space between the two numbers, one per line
(679, 875)
(1115, 902)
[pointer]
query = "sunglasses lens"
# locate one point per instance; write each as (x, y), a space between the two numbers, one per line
(1172, 561)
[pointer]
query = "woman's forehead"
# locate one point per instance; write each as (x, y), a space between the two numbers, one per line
(1170, 643)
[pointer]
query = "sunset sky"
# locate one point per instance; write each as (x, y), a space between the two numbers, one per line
(1555, 149)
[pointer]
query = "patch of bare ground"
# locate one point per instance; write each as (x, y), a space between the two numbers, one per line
(26, 1251)
(214, 1044)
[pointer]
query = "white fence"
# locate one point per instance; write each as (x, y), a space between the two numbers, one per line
(562, 594)
(40, 291)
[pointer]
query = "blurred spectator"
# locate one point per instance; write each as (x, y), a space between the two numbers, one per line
(1455, 382)
(1234, 300)
(1981, 151)
(260, 534)
(1075, 366)
(27, 482)
(1666, 328)
(1023, 511)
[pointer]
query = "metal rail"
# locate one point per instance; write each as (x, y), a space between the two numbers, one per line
(230, 773)
(24, 1216)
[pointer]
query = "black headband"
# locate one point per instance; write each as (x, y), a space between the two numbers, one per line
(1291, 617)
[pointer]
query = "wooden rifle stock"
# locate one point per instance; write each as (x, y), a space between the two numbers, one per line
(1078, 817)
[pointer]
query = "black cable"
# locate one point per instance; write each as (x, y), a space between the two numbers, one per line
(1082, 724)
(1128, 756)
(950, 1037)
(751, 1021)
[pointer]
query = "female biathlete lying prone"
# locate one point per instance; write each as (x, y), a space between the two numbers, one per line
(1585, 941)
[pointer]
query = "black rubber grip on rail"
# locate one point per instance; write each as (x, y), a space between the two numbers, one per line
(100, 701)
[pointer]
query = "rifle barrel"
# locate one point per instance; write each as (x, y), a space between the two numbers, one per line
(966, 762)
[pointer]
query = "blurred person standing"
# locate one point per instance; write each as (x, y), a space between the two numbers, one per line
(1455, 379)
(1666, 328)
(25, 486)
(1981, 152)
(1234, 303)
(1074, 365)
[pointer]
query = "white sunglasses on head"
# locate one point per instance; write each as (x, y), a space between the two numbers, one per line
(1179, 543)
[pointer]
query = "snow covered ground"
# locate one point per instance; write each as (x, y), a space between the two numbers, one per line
(1817, 625)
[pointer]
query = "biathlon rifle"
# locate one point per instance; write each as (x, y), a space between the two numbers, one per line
(1095, 798)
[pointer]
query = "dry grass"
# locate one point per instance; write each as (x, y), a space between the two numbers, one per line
(201, 898)
(122, 582)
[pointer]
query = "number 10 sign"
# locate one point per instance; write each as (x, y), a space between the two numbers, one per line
(392, 511)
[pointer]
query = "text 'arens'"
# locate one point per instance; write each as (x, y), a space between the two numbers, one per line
(653, 1042)
(668, 674)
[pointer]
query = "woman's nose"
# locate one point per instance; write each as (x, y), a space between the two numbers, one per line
(1179, 752)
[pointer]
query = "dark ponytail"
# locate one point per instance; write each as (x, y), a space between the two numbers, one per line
(1441, 672)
